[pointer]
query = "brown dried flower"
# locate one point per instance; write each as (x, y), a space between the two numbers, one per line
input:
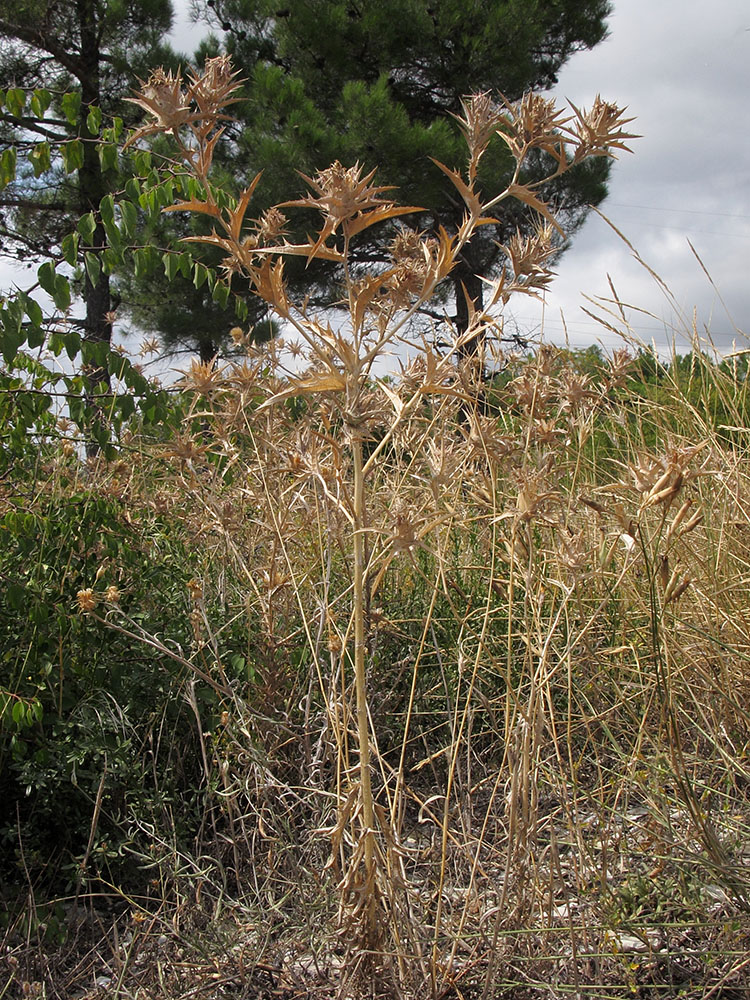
(601, 130)
(86, 600)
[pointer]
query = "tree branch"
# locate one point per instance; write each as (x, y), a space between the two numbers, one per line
(36, 38)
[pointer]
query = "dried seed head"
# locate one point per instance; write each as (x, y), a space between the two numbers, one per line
(212, 89)
(545, 431)
(532, 495)
(185, 448)
(415, 261)
(271, 226)
(164, 98)
(601, 130)
(528, 257)
(444, 461)
(574, 552)
(536, 122)
(172, 106)
(619, 364)
(404, 532)
(532, 395)
(204, 377)
(341, 193)
(86, 600)
(486, 439)
(481, 117)
(575, 391)
(149, 345)
(661, 479)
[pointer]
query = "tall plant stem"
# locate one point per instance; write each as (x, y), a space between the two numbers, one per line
(360, 679)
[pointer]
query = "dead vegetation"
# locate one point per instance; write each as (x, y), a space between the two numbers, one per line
(488, 732)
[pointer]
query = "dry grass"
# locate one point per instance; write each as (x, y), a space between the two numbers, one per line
(495, 741)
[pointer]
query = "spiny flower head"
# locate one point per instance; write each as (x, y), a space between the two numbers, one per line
(342, 192)
(601, 129)
(172, 105)
(162, 97)
(481, 117)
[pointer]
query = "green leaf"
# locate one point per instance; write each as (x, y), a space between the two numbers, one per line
(142, 162)
(186, 264)
(126, 405)
(95, 353)
(94, 120)
(86, 226)
(220, 294)
(7, 166)
(72, 344)
(108, 155)
(61, 294)
(165, 193)
(238, 662)
(133, 188)
(72, 155)
(129, 215)
(114, 236)
(46, 276)
(107, 209)
(110, 259)
(18, 712)
(56, 344)
(35, 338)
(15, 99)
(171, 264)
(40, 159)
(69, 247)
(200, 275)
(71, 106)
(98, 430)
(40, 101)
(149, 201)
(93, 268)
(10, 341)
(143, 262)
(32, 309)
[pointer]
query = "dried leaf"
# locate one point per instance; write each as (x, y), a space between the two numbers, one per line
(528, 197)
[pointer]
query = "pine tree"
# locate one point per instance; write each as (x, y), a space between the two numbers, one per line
(65, 67)
(377, 81)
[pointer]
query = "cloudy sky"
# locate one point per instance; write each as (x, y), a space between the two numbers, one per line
(681, 68)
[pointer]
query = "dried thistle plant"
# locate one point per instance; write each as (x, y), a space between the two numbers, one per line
(360, 415)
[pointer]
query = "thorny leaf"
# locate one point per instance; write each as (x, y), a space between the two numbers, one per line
(528, 197)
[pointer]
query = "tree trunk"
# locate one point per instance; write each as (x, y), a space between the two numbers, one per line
(207, 350)
(467, 286)
(92, 187)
